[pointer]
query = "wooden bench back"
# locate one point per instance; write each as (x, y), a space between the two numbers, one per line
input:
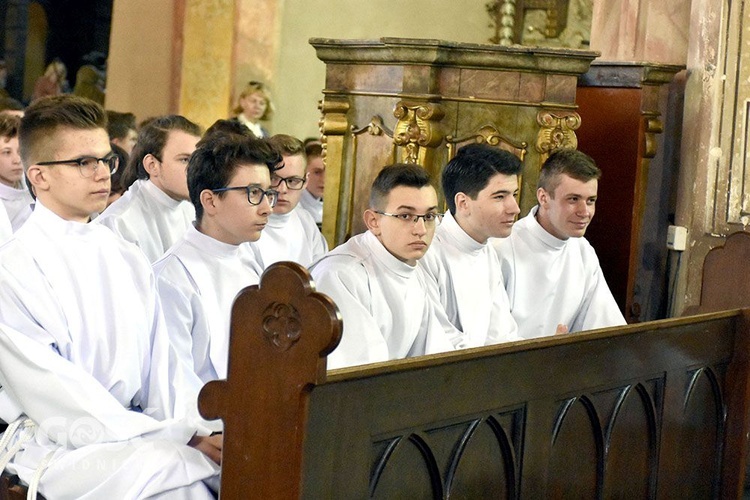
(654, 410)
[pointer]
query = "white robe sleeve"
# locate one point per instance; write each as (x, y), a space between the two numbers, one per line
(361, 341)
(599, 309)
(60, 397)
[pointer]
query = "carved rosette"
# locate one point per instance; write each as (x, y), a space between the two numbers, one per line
(557, 131)
(281, 325)
(417, 128)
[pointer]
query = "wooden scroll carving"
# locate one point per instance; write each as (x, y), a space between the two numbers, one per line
(281, 332)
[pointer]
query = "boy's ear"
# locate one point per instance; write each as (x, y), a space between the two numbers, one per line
(151, 165)
(462, 203)
(372, 221)
(38, 178)
(208, 200)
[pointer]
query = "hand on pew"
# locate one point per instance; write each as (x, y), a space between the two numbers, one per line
(561, 329)
(211, 446)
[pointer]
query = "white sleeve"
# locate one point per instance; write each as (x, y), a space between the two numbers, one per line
(599, 309)
(362, 341)
(60, 397)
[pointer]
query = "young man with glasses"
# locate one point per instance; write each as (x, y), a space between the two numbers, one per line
(155, 212)
(291, 233)
(551, 272)
(374, 278)
(97, 404)
(229, 178)
(480, 185)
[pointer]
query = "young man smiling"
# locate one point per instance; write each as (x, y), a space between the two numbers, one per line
(198, 278)
(552, 273)
(374, 278)
(480, 185)
(98, 405)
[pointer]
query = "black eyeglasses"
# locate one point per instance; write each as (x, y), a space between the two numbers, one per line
(430, 219)
(87, 165)
(295, 183)
(255, 194)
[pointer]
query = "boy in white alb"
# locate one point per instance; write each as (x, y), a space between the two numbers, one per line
(374, 279)
(291, 233)
(480, 184)
(312, 195)
(199, 278)
(98, 405)
(14, 194)
(552, 273)
(155, 212)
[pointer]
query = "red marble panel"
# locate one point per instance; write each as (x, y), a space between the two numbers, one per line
(531, 87)
(561, 89)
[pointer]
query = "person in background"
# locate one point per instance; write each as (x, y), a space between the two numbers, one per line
(155, 212)
(312, 196)
(14, 194)
(52, 82)
(291, 233)
(121, 130)
(254, 106)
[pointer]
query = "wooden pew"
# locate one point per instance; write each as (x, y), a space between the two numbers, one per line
(654, 410)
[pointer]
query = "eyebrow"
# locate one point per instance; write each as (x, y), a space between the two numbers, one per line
(407, 207)
(504, 191)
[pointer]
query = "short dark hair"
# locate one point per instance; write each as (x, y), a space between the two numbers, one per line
(223, 127)
(117, 186)
(393, 176)
(9, 125)
(472, 168)
(10, 104)
(47, 114)
(151, 141)
(215, 160)
(119, 124)
(570, 162)
(313, 150)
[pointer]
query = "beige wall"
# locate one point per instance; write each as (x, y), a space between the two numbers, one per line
(140, 57)
(299, 76)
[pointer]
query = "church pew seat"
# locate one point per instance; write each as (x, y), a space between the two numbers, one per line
(653, 410)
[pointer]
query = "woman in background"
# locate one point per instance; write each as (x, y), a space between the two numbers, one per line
(253, 106)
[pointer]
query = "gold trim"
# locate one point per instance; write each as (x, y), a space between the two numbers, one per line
(438, 97)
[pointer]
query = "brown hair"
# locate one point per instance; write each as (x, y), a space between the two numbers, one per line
(151, 141)
(9, 125)
(287, 145)
(570, 162)
(47, 114)
(251, 88)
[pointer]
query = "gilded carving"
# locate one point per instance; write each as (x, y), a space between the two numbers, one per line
(491, 136)
(652, 126)
(375, 127)
(333, 127)
(557, 131)
(281, 325)
(417, 128)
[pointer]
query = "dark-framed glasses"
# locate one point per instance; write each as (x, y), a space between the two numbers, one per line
(430, 219)
(87, 165)
(255, 194)
(295, 183)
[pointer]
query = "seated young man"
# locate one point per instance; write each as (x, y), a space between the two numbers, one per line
(155, 212)
(480, 184)
(551, 272)
(291, 233)
(374, 278)
(14, 194)
(199, 278)
(99, 406)
(312, 195)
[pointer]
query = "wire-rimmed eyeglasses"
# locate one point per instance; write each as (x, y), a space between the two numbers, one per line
(87, 165)
(255, 193)
(430, 219)
(294, 183)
